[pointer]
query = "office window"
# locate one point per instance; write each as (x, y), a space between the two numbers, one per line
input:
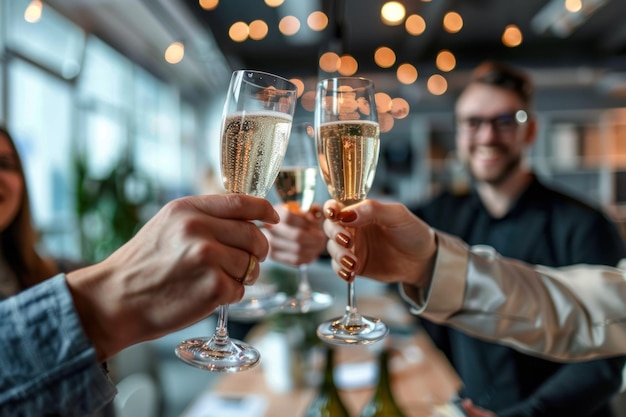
(53, 41)
(193, 163)
(106, 78)
(157, 147)
(103, 141)
(104, 99)
(40, 119)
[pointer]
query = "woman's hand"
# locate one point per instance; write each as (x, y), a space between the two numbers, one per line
(383, 241)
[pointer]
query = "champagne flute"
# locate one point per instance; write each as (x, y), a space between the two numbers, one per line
(256, 123)
(295, 186)
(347, 133)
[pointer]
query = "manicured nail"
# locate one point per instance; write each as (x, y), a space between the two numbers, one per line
(317, 213)
(330, 213)
(345, 275)
(348, 262)
(343, 239)
(347, 216)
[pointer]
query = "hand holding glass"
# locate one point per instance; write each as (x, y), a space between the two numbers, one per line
(347, 133)
(256, 123)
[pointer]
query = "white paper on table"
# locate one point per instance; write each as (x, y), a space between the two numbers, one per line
(357, 375)
(215, 405)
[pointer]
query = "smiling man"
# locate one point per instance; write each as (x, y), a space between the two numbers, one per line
(511, 210)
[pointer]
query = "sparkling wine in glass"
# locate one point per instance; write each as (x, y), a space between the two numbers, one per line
(347, 135)
(256, 123)
(295, 186)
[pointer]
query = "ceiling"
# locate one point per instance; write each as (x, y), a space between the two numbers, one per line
(357, 27)
(594, 48)
(592, 56)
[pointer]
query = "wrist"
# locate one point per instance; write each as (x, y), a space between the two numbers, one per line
(427, 261)
(89, 300)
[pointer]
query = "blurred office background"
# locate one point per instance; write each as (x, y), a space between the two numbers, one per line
(115, 104)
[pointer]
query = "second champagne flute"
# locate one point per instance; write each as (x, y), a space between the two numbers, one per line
(295, 186)
(347, 133)
(256, 123)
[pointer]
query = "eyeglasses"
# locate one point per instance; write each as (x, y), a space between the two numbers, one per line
(503, 124)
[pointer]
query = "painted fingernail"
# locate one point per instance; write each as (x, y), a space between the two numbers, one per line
(330, 213)
(343, 239)
(317, 213)
(345, 275)
(347, 216)
(348, 262)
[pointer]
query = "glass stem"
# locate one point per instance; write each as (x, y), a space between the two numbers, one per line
(352, 317)
(220, 337)
(304, 287)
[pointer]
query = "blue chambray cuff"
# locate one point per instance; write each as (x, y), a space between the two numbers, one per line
(48, 364)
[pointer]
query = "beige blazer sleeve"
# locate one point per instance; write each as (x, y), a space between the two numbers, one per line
(571, 313)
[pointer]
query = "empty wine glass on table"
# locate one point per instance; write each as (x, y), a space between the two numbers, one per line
(347, 134)
(295, 186)
(256, 123)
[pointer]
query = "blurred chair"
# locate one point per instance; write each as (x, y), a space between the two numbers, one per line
(138, 396)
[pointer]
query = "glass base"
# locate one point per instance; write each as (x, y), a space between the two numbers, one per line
(205, 353)
(346, 331)
(315, 301)
(254, 309)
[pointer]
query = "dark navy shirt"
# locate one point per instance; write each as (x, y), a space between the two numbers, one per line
(543, 227)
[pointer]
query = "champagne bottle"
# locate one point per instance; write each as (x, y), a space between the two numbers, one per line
(382, 403)
(328, 403)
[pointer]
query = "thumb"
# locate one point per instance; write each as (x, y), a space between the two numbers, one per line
(364, 213)
(235, 206)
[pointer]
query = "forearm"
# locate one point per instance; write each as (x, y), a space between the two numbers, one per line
(48, 365)
(570, 313)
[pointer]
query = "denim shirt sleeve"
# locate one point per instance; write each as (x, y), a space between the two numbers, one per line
(47, 364)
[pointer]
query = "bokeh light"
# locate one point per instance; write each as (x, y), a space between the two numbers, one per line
(512, 36)
(208, 4)
(238, 31)
(317, 21)
(452, 22)
(385, 122)
(308, 100)
(399, 108)
(437, 85)
(383, 102)
(415, 25)
(33, 11)
(289, 25)
(348, 65)
(406, 74)
(299, 84)
(175, 53)
(445, 60)
(573, 6)
(258, 30)
(392, 13)
(329, 62)
(384, 57)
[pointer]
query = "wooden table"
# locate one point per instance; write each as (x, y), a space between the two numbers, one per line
(421, 376)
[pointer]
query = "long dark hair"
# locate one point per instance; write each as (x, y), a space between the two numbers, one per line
(19, 239)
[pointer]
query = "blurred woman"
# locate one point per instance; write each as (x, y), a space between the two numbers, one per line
(21, 266)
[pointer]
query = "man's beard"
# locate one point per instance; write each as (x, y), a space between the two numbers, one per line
(506, 173)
